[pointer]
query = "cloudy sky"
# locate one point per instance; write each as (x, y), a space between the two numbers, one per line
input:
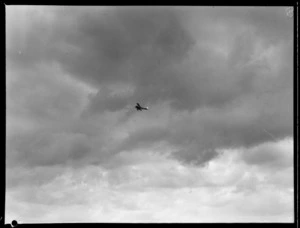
(215, 146)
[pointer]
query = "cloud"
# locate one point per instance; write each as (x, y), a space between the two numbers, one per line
(197, 135)
(151, 49)
(218, 82)
(154, 188)
(231, 105)
(278, 155)
(47, 148)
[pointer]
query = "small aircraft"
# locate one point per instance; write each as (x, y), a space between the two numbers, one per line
(140, 108)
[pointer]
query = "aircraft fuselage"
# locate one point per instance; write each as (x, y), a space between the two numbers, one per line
(140, 108)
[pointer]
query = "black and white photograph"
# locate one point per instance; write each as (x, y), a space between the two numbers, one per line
(149, 114)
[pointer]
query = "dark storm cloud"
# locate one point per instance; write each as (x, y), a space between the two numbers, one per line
(46, 148)
(142, 47)
(143, 137)
(278, 156)
(269, 22)
(245, 123)
(43, 94)
(106, 100)
(145, 47)
(153, 51)
(195, 155)
(173, 55)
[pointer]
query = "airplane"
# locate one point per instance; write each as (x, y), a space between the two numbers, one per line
(140, 108)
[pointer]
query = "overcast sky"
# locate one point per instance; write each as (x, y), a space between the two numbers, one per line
(216, 144)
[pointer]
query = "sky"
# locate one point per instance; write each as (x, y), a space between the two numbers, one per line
(216, 144)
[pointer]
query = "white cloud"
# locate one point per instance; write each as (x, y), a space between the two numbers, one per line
(153, 188)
